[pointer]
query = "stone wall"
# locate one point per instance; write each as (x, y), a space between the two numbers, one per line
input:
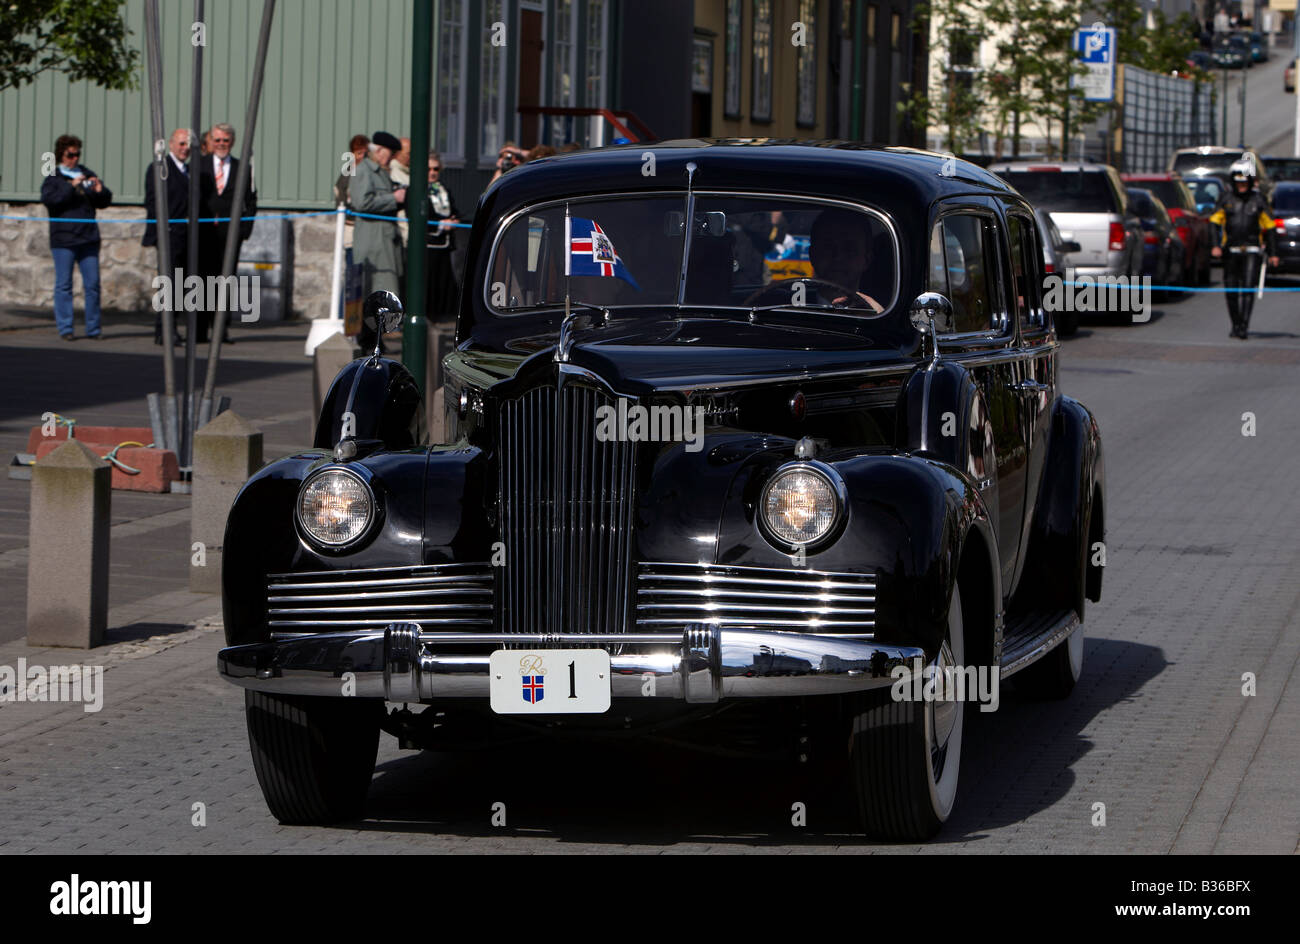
(126, 268)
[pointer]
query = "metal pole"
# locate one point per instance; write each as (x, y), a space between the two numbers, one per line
(415, 332)
(1223, 136)
(241, 188)
(192, 245)
(153, 48)
(855, 116)
(1242, 141)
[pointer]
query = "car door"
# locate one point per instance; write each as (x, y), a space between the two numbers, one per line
(981, 334)
(1035, 380)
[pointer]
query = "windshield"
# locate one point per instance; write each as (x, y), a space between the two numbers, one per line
(1205, 189)
(1170, 192)
(745, 251)
(1212, 162)
(1069, 191)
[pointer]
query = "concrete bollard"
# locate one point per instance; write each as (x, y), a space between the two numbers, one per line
(441, 342)
(67, 566)
(226, 452)
(331, 356)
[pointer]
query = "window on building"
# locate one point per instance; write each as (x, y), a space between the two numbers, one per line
(492, 81)
(871, 24)
(596, 92)
(761, 104)
(806, 67)
(450, 141)
(731, 91)
(895, 30)
(563, 85)
(963, 58)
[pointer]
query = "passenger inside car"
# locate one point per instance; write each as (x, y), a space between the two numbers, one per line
(840, 251)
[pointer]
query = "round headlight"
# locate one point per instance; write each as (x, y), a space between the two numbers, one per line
(800, 505)
(335, 507)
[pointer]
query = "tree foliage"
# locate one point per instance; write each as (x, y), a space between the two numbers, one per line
(84, 39)
(1028, 63)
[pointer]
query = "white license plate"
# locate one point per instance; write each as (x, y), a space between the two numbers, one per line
(549, 681)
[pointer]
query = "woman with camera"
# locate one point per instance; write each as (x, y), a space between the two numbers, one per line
(73, 192)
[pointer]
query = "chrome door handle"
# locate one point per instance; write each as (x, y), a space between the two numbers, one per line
(1029, 386)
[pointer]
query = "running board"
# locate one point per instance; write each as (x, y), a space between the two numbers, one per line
(1035, 635)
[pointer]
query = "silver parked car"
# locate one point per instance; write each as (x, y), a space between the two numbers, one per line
(1089, 206)
(1057, 260)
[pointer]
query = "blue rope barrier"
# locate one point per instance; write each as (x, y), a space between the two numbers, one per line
(220, 219)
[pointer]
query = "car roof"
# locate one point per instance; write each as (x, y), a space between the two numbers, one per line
(1209, 149)
(1045, 166)
(1287, 185)
(879, 175)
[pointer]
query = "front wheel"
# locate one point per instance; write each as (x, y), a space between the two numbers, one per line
(904, 755)
(314, 756)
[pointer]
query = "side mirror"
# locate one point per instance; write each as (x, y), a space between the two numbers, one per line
(383, 310)
(928, 310)
(1069, 246)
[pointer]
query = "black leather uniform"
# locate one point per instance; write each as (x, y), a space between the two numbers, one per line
(1245, 221)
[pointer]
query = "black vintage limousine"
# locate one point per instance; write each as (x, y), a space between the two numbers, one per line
(730, 424)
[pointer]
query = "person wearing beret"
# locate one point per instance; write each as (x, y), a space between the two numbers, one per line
(377, 244)
(73, 192)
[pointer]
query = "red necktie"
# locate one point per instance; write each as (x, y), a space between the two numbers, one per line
(221, 176)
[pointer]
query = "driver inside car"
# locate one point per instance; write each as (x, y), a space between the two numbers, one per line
(840, 252)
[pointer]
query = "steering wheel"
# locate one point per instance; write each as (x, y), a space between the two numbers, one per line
(788, 285)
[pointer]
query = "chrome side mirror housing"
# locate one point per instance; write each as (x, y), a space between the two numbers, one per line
(385, 311)
(928, 309)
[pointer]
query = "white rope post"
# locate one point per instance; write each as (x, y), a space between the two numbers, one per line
(332, 323)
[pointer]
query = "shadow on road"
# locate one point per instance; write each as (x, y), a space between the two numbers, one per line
(89, 374)
(1016, 762)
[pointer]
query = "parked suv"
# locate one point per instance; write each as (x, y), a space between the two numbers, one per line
(1218, 161)
(1089, 206)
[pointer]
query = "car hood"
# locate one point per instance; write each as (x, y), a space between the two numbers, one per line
(638, 355)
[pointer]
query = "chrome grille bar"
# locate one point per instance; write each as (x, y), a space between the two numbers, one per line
(436, 594)
(842, 603)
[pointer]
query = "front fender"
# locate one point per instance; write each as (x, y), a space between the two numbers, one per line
(908, 521)
(372, 399)
(1073, 492)
(430, 510)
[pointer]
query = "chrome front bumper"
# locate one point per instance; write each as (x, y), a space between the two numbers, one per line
(701, 664)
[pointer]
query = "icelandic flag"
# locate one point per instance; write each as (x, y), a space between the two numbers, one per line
(533, 691)
(591, 252)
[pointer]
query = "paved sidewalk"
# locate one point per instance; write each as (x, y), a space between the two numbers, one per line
(1199, 589)
(266, 375)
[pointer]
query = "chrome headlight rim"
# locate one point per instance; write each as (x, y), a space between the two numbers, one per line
(839, 516)
(362, 477)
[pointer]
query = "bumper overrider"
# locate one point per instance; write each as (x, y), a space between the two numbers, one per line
(700, 663)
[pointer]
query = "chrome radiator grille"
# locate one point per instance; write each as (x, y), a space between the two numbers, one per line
(756, 597)
(566, 515)
(439, 595)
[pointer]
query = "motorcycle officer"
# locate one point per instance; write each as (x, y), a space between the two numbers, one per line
(1246, 224)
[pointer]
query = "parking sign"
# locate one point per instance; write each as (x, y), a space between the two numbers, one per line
(1096, 48)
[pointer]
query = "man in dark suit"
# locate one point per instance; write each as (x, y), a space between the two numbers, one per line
(178, 207)
(217, 192)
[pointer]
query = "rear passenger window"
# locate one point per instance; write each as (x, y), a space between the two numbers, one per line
(962, 257)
